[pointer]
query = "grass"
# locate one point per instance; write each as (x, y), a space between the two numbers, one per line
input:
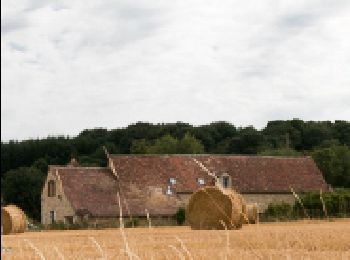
(291, 240)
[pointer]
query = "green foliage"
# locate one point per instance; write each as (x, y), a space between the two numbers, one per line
(189, 145)
(168, 145)
(337, 204)
(314, 134)
(327, 142)
(139, 146)
(280, 152)
(279, 211)
(247, 141)
(180, 216)
(23, 187)
(334, 163)
(41, 164)
(74, 226)
(164, 145)
(134, 222)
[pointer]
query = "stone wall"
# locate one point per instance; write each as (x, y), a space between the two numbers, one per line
(263, 200)
(138, 221)
(59, 203)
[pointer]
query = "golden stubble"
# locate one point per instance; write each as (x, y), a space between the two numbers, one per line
(280, 240)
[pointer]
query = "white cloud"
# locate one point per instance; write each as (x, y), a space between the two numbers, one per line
(80, 64)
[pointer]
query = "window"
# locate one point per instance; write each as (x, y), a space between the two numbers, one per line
(226, 181)
(172, 181)
(200, 181)
(51, 189)
(68, 220)
(52, 217)
(169, 191)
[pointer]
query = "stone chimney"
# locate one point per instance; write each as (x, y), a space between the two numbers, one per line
(73, 163)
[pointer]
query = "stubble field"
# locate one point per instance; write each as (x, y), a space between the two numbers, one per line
(293, 240)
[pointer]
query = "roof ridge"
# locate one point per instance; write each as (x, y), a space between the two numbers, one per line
(213, 155)
(76, 167)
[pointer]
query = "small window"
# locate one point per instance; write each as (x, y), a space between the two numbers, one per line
(52, 217)
(172, 181)
(225, 181)
(51, 189)
(68, 220)
(201, 181)
(169, 191)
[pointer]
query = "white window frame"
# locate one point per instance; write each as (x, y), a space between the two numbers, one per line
(200, 181)
(172, 181)
(169, 191)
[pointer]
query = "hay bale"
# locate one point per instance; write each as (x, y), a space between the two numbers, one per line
(244, 217)
(13, 220)
(252, 213)
(208, 207)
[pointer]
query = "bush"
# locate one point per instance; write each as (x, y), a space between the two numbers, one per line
(180, 216)
(62, 226)
(57, 226)
(337, 203)
(134, 222)
(280, 211)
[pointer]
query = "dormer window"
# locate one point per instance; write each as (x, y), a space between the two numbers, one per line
(172, 181)
(200, 181)
(226, 181)
(51, 188)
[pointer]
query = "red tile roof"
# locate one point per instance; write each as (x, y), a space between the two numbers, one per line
(95, 190)
(141, 177)
(89, 188)
(253, 174)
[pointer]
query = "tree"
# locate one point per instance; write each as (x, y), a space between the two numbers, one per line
(190, 145)
(164, 145)
(139, 146)
(280, 152)
(41, 164)
(315, 133)
(341, 131)
(180, 216)
(334, 163)
(247, 141)
(280, 134)
(22, 187)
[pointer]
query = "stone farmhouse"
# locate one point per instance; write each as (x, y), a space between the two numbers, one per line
(160, 184)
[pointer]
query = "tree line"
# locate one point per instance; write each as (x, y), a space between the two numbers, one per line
(24, 163)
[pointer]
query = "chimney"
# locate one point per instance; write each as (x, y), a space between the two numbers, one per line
(73, 163)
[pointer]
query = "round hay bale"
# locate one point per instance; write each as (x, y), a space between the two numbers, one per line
(252, 213)
(244, 217)
(214, 208)
(13, 220)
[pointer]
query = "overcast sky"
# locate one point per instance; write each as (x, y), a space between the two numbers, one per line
(71, 65)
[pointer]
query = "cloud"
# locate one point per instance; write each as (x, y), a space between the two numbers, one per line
(70, 65)
(9, 25)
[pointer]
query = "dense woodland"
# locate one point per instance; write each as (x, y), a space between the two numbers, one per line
(24, 163)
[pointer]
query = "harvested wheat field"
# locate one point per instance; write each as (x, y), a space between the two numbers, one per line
(293, 240)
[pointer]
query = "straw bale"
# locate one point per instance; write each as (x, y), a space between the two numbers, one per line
(13, 220)
(208, 207)
(252, 213)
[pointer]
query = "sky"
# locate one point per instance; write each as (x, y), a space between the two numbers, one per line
(72, 65)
